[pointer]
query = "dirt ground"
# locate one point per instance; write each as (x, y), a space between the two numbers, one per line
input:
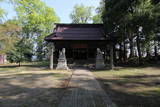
(32, 88)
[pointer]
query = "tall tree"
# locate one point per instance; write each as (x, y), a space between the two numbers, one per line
(156, 15)
(81, 14)
(124, 18)
(21, 52)
(37, 21)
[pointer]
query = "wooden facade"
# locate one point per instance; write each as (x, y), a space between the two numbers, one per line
(79, 50)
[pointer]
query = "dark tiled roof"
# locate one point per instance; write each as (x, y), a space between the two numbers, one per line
(77, 32)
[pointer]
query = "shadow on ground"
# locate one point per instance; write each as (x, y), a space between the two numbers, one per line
(119, 95)
(30, 90)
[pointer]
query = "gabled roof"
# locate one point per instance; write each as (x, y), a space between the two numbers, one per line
(77, 32)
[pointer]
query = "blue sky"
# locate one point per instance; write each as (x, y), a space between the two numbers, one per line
(62, 7)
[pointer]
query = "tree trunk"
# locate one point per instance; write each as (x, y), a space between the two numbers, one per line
(131, 48)
(120, 52)
(111, 57)
(148, 51)
(155, 50)
(124, 51)
(148, 54)
(139, 50)
(20, 59)
(19, 63)
(114, 53)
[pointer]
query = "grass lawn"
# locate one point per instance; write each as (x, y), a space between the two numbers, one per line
(132, 87)
(31, 85)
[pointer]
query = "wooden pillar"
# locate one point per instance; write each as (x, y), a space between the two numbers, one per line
(111, 57)
(51, 55)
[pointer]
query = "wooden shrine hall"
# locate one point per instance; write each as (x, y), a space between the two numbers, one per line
(80, 41)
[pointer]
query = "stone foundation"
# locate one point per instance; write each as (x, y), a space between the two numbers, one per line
(62, 61)
(99, 60)
(62, 64)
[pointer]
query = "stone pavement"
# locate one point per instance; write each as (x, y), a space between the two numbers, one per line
(85, 91)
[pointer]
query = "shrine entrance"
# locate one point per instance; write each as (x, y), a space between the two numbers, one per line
(80, 54)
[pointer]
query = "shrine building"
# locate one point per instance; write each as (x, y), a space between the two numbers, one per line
(80, 41)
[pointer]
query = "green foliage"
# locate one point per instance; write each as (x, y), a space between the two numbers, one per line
(8, 36)
(156, 16)
(123, 19)
(2, 13)
(81, 14)
(97, 18)
(16, 48)
(21, 52)
(99, 10)
(130, 15)
(37, 21)
(35, 16)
